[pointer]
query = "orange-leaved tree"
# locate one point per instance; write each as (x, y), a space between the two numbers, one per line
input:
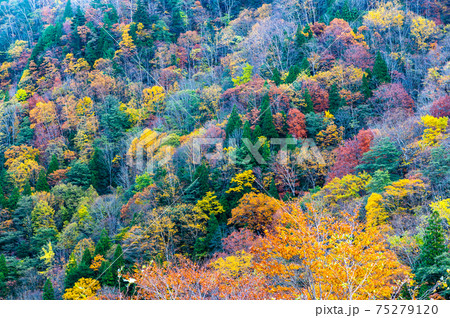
(183, 279)
(255, 211)
(311, 255)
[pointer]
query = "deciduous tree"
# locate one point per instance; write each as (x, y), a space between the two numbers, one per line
(299, 256)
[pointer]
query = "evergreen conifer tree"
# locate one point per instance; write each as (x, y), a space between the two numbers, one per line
(27, 188)
(234, 122)
(3, 276)
(433, 241)
(83, 269)
(365, 86)
(99, 172)
(94, 47)
(304, 66)
(380, 70)
(266, 119)
(273, 189)
(49, 293)
(68, 12)
(293, 73)
(247, 131)
(42, 184)
(13, 199)
(79, 174)
(107, 278)
(257, 132)
(347, 13)
(201, 174)
(141, 15)
(117, 263)
(177, 24)
(300, 38)
(308, 101)
(383, 156)
(110, 17)
(380, 179)
(53, 165)
(103, 244)
(334, 99)
(243, 153)
(205, 245)
(78, 20)
(3, 267)
(3, 201)
(71, 272)
(276, 76)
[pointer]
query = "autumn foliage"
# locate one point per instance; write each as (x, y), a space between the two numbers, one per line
(224, 149)
(321, 257)
(349, 155)
(186, 280)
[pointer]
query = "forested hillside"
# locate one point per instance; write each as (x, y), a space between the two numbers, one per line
(224, 149)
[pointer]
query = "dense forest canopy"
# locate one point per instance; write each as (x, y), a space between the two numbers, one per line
(224, 149)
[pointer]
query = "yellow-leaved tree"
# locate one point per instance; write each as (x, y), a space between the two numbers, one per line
(153, 99)
(404, 195)
(127, 46)
(344, 190)
(48, 256)
(209, 204)
(443, 208)
(435, 128)
(22, 165)
(376, 214)
(84, 288)
(242, 182)
(234, 265)
(387, 15)
(422, 30)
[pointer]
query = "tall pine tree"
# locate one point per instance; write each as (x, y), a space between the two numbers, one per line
(177, 23)
(49, 293)
(103, 244)
(116, 264)
(276, 76)
(293, 73)
(13, 199)
(380, 70)
(53, 165)
(257, 132)
(433, 241)
(309, 106)
(234, 122)
(247, 131)
(141, 15)
(334, 99)
(365, 86)
(78, 20)
(201, 175)
(382, 156)
(266, 119)
(68, 12)
(42, 184)
(3, 276)
(99, 172)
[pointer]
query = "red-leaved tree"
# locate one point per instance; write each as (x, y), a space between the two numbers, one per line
(441, 107)
(349, 155)
(296, 123)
